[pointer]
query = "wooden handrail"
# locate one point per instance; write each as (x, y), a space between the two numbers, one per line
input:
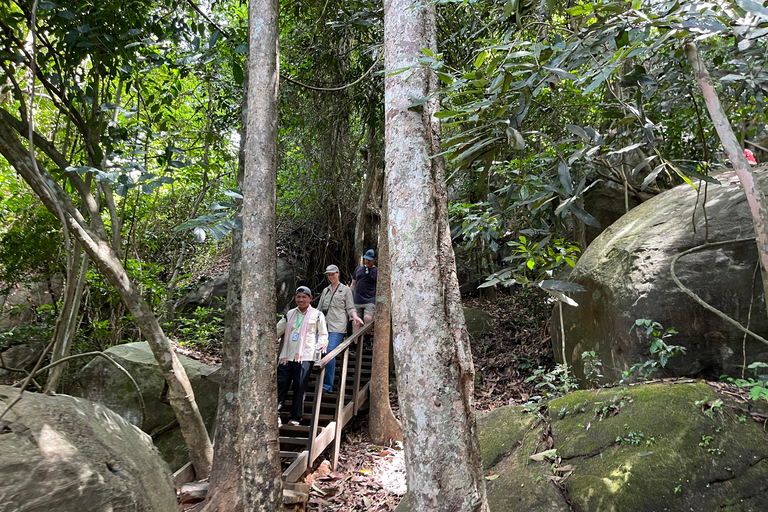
(342, 346)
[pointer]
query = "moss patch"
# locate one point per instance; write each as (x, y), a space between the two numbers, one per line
(648, 448)
(508, 436)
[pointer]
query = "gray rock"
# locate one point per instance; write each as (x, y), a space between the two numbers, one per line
(478, 321)
(606, 204)
(21, 300)
(626, 271)
(22, 357)
(65, 454)
(213, 293)
(100, 382)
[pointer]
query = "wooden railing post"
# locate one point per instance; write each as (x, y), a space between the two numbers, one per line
(316, 403)
(358, 370)
(340, 408)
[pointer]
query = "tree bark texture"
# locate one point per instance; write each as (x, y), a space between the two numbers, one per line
(225, 491)
(756, 198)
(383, 426)
(432, 354)
(258, 432)
(99, 249)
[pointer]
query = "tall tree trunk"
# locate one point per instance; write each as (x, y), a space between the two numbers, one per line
(225, 492)
(432, 354)
(257, 433)
(384, 427)
(98, 247)
(756, 198)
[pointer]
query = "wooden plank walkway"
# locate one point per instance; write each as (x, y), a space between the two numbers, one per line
(326, 414)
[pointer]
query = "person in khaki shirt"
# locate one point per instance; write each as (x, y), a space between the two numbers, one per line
(303, 330)
(337, 305)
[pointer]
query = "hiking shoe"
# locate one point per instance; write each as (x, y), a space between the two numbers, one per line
(294, 423)
(279, 421)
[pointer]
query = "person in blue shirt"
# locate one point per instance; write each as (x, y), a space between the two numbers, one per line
(364, 287)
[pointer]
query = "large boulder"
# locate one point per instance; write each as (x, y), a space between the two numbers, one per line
(65, 454)
(626, 272)
(648, 448)
(20, 357)
(213, 292)
(101, 382)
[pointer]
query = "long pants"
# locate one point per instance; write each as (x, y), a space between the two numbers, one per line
(298, 375)
(334, 339)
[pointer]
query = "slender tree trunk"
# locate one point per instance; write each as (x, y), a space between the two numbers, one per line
(432, 354)
(225, 492)
(365, 195)
(384, 427)
(69, 311)
(257, 432)
(99, 249)
(756, 198)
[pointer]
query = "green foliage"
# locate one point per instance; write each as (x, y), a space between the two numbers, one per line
(553, 382)
(634, 438)
(39, 330)
(757, 383)
(204, 329)
(32, 227)
(593, 368)
(660, 351)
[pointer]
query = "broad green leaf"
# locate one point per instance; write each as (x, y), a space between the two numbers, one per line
(565, 177)
(584, 216)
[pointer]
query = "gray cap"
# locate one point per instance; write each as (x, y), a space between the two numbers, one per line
(331, 268)
(304, 290)
(369, 255)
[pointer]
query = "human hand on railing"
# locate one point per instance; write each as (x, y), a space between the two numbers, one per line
(357, 321)
(323, 346)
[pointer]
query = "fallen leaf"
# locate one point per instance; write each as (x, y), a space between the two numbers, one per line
(546, 454)
(492, 477)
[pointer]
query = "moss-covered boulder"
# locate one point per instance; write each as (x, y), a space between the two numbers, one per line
(478, 321)
(508, 436)
(660, 447)
(646, 448)
(100, 382)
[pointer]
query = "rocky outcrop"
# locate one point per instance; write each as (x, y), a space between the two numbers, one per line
(647, 448)
(626, 272)
(100, 382)
(21, 357)
(20, 300)
(213, 292)
(65, 454)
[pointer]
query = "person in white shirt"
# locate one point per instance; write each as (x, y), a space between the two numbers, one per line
(303, 329)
